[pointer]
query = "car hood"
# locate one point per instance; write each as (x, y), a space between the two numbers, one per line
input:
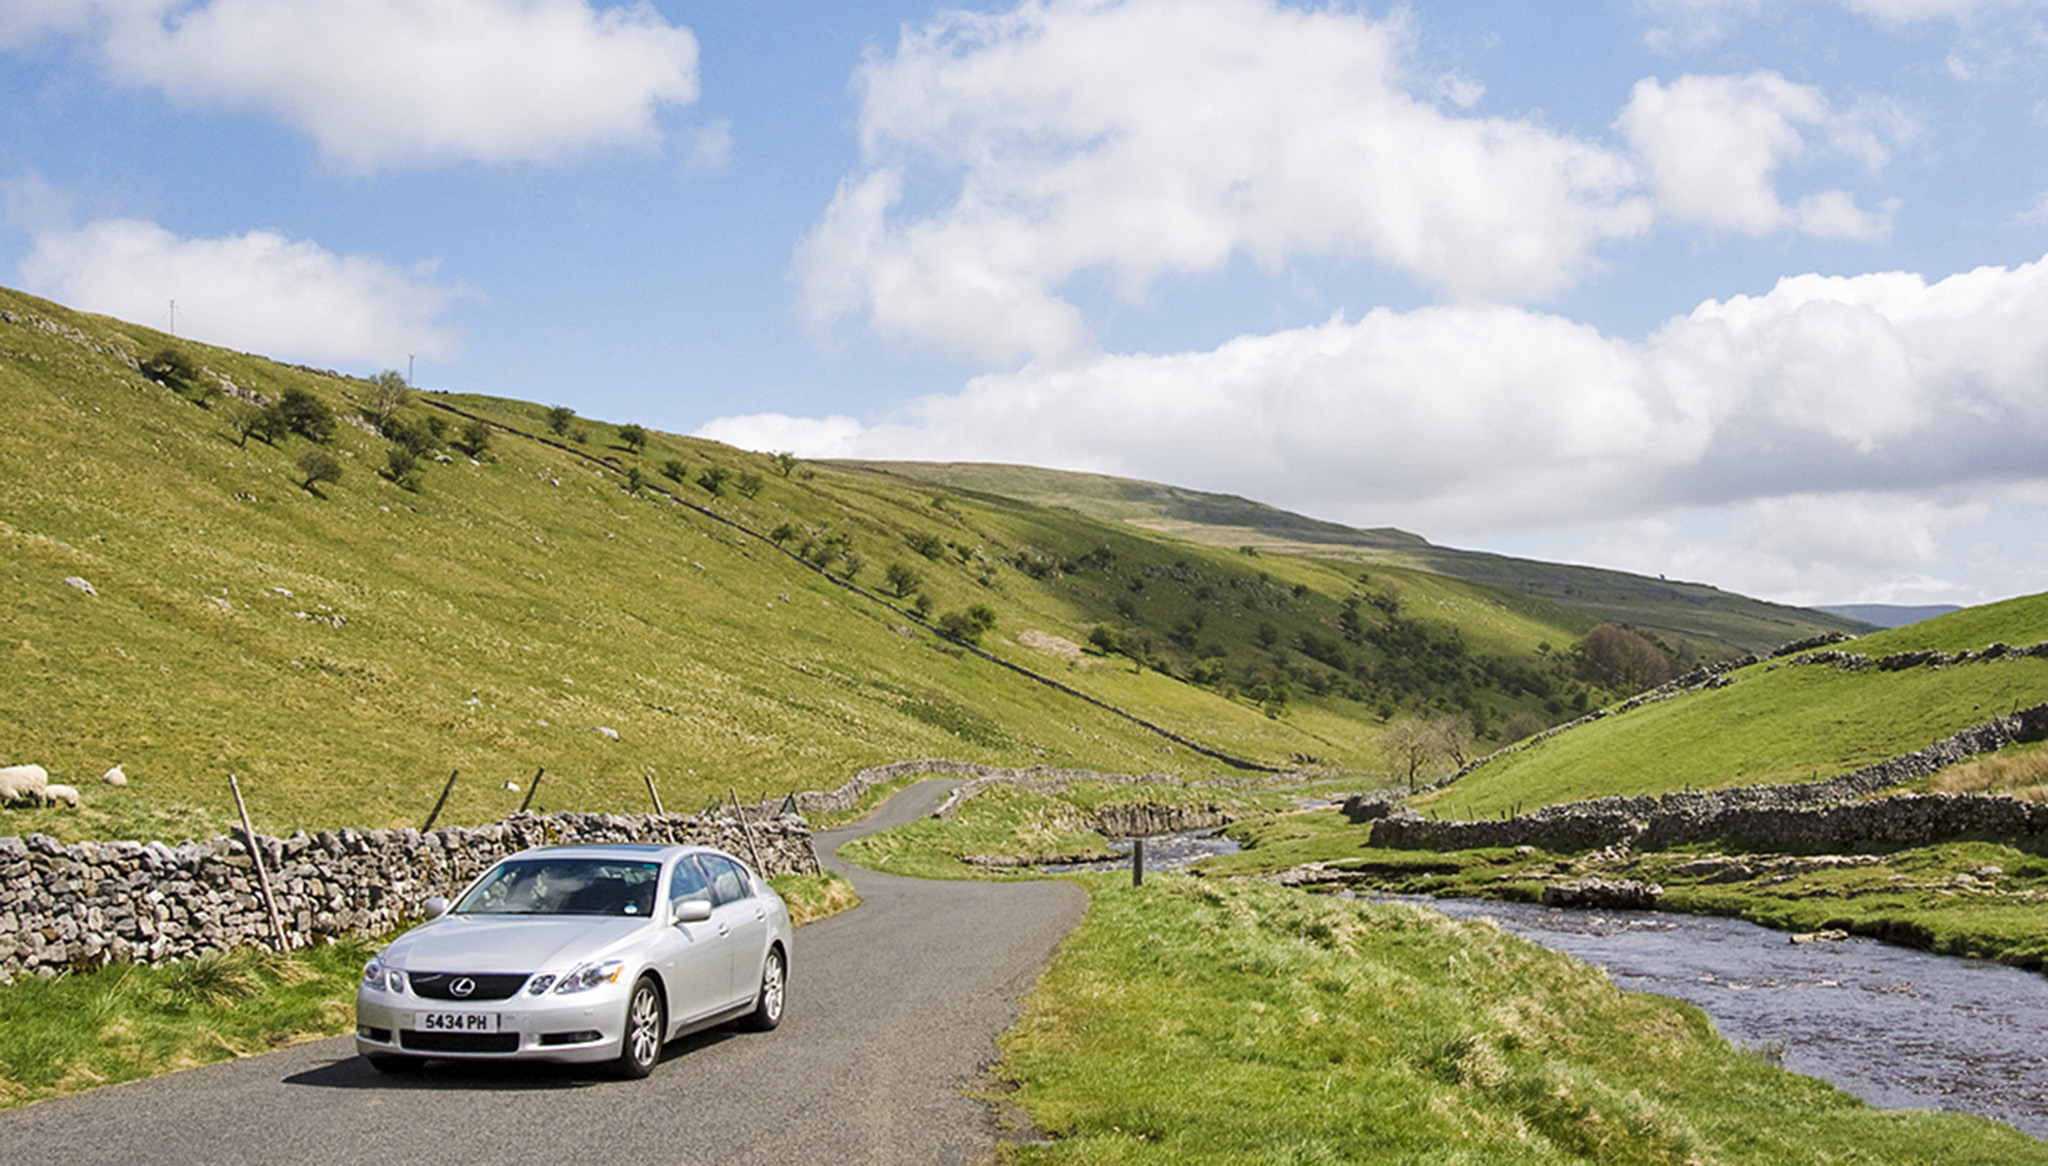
(510, 943)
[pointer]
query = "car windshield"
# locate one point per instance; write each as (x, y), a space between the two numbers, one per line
(564, 886)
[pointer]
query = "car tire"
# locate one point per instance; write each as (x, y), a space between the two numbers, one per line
(392, 1064)
(774, 992)
(646, 1023)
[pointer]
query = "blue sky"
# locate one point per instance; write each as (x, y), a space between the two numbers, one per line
(1745, 291)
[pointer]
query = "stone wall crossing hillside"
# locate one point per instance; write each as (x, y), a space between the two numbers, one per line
(79, 906)
(1811, 816)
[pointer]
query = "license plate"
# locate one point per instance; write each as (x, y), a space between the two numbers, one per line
(456, 1022)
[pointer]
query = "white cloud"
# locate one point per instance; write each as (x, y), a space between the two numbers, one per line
(1010, 153)
(1473, 418)
(822, 437)
(396, 83)
(1713, 147)
(259, 291)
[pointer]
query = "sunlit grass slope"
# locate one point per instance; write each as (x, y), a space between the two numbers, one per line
(342, 648)
(1778, 722)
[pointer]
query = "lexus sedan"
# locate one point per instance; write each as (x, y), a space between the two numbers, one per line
(580, 954)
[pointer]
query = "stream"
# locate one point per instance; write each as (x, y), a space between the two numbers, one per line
(1902, 1029)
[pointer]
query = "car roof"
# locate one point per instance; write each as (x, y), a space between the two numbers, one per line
(634, 851)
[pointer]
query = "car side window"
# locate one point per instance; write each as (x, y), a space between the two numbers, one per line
(728, 882)
(688, 882)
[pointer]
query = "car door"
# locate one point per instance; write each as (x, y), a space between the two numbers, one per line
(695, 958)
(742, 917)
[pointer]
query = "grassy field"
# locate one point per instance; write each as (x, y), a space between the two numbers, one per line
(1777, 722)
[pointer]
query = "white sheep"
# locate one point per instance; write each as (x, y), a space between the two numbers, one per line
(115, 777)
(52, 794)
(23, 783)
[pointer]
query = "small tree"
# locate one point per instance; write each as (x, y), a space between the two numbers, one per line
(713, 480)
(559, 417)
(783, 533)
(749, 483)
(674, 470)
(633, 437)
(634, 479)
(388, 394)
(902, 580)
(852, 564)
(318, 465)
(247, 419)
(1408, 745)
(1623, 660)
(785, 462)
(171, 368)
(306, 415)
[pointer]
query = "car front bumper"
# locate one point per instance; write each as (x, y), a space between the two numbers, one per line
(583, 1027)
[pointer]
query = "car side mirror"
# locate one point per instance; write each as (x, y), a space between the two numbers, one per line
(692, 911)
(435, 907)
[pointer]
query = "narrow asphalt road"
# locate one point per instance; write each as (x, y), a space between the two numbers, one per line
(894, 1008)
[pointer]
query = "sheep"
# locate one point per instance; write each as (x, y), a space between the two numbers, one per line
(23, 783)
(115, 777)
(52, 794)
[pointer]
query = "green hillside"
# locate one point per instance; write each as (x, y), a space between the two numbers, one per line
(1698, 621)
(1779, 722)
(521, 591)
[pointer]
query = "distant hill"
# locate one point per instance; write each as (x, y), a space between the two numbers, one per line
(1888, 615)
(1779, 721)
(1700, 620)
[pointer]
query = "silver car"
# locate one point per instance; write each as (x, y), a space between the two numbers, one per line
(581, 954)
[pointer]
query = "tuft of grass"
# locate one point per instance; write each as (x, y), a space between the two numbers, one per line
(2020, 773)
(815, 897)
(1198, 1021)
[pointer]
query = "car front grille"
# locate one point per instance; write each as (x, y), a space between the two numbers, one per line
(441, 985)
(458, 1042)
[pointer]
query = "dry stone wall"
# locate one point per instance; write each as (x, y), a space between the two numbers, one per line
(1808, 817)
(82, 905)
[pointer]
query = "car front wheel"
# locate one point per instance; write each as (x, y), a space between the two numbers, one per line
(646, 1022)
(768, 1002)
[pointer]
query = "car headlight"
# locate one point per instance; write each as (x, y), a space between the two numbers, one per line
(381, 977)
(590, 975)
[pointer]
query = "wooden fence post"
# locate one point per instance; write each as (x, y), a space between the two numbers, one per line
(256, 856)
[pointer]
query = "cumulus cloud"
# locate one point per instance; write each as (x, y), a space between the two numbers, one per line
(258, 291)
(1009, 153)
(1479, 418)
(398, 83)
(1713, 146)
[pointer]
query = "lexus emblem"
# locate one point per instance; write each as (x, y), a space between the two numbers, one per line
(462, 987)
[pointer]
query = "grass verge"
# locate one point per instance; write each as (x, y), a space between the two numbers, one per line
(1198, 1020)
(125, 1022)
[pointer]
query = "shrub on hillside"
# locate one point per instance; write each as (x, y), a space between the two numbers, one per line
(674, 470)
(403, 467)
(476, 437)
(749, 483)
(713, 480)
(970, 625)
(559, 417)
(901, 580)
(633, 437)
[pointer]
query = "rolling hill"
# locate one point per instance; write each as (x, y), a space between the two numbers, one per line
(490, 589)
